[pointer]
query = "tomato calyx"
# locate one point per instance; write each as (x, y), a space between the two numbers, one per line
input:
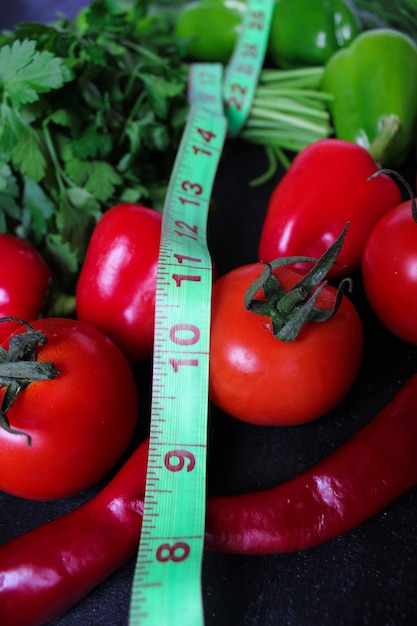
(399, 179)
(19, 368)
(289, 310)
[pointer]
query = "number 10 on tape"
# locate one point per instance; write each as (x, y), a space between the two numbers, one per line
(173, 523)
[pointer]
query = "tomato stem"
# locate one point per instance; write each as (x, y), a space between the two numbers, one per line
(399, 179)
(19, 368)
(289, 310)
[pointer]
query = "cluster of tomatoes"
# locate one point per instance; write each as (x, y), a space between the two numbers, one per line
(80, 422)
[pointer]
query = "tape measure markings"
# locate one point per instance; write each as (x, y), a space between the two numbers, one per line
(167, 583)
(242, 72)
(174, 514)
(205, 86)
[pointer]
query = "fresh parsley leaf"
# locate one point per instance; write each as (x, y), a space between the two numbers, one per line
(38, 209)
(9, 193)
(160, 91)
(91, 114)
(28, 154)
(61, 256)
(92, 143)
(11, 128)
(77, 213)
(98, 177)
(25, 73)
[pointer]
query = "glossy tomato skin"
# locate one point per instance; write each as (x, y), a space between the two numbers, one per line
(389, 270)
(259, 379)
(116, 287)
(80, 422)
(24, 281)
(325, 187)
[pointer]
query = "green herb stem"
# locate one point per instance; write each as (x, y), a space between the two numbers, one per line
(289, 111)
(58, 171)
(262, 107)
(311, 75)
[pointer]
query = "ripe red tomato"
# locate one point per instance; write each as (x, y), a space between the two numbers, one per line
(80, 422)
(389, 269)
(116, 287)
(259, 379)
(24, 281)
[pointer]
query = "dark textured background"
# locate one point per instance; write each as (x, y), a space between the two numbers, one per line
(367, 577)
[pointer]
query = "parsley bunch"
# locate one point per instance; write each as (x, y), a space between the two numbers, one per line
(91, 114)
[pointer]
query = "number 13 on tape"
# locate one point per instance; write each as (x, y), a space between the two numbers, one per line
(167, 585)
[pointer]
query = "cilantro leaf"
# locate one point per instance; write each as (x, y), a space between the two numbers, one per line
(98, 177)
(11, 128)
(77, 213)
(160, 91)
(38, 209)
(61, 255)
(102, 179)
(91, 143)
(91, 114)
(25, 73)
(28, 155)
(9, 192)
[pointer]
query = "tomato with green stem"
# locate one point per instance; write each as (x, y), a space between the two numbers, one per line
(285, 347)
(69, 406)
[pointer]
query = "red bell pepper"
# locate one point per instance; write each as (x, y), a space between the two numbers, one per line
(325, 187)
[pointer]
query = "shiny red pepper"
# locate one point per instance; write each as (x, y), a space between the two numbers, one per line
(46, 571)
(353, 483)
(49, 569)
(325, 187)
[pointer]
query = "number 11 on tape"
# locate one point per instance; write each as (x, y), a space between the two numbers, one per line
(167, 584)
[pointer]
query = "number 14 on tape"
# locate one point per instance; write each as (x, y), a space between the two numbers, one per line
(167, 585)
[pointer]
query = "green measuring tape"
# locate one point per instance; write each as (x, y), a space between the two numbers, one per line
(167, 582)
(243, 70)
(168, 570)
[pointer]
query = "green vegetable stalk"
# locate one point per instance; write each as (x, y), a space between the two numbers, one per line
(374, 87)
(289, 111)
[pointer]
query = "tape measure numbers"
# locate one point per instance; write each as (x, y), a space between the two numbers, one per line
(167, 586)
(167, 582)
(242, 72)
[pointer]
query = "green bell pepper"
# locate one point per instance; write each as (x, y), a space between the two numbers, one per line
(210, 28)
(373, 84)
(308, 32)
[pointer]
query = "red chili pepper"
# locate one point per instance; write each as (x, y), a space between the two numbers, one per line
(358, 479)
(47, 570)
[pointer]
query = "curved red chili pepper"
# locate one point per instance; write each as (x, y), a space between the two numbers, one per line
(47, 570)
(44, 572)
(360, 478)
